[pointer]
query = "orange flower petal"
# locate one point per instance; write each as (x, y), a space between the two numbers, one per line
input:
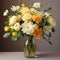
(37, 18)
(38, 33)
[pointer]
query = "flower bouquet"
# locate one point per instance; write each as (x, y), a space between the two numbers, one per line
(29, 22)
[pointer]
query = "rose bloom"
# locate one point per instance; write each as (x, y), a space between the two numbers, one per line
(27, 17)
(25, 10)
(37, 18)
(17, 26)
(52, 22)
(38, 33)
(12, 20)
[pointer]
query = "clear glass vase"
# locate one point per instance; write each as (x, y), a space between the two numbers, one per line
(30, 48)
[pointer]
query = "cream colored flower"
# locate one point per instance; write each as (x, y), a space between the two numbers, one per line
(27, 17)
(28, 28)
(14, 8)
(52, 22)
(17, 26)
(12, 20)
(5, 13)
(47, 29)
(25, 10)
(33, 11)
(36, 5)
(46, 14)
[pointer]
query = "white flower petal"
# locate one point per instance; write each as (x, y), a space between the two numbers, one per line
(14, 8)
(5, 13)
(13, 20)
(17, 26)
(28, 28)
(36, 5)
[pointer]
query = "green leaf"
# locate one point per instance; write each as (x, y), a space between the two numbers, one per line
(46, 23)
(50, 34)
(53, 30)
(50, 42)
(48, 9)
(41, 24)
(14, 38)
(47, 40)
(6, 35)
(6, 22)
(12, 30)
(18, 35)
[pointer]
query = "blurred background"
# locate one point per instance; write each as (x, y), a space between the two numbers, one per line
(7, 45)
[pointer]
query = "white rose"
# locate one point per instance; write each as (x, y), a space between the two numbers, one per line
(14, 8)
(13, 20)
(36, 5)
(5, 13)
(27, 17)
(52, 22)
(17, 26)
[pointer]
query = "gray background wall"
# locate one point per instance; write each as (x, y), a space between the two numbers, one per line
(42, 45)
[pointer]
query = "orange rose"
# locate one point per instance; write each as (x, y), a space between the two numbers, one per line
(38, 33)
(37, 18)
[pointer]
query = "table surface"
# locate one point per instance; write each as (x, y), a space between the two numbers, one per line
(20, 56)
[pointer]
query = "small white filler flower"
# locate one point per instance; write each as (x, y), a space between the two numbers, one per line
(5, 12)
(37, 5)
(14, 8)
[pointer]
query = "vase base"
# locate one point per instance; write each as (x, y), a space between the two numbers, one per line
(29, 56)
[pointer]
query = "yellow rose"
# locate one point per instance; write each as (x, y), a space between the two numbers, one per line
(13, 20)
(14, 33)
(6, 28)
(25, 10)
(27, 17)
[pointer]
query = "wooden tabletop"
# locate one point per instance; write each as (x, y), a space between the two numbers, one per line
(20, 56)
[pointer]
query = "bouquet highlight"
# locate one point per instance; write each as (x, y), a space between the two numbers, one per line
(29, 22)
